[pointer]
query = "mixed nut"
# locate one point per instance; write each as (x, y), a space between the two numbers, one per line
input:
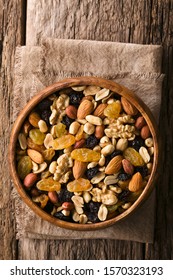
(84, 154)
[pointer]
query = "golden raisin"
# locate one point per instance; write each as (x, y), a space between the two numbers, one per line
(60, 130)
(24, 167)
(85, 155)
(79, 185)
(113, 110)
(63, 142)
(49, 185)
(133, 156)
(37, 136)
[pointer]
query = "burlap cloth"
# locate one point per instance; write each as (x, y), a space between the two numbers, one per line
(135, 66)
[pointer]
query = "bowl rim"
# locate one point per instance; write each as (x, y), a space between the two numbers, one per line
(82, 81)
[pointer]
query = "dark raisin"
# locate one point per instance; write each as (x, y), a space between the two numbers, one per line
(64, 195)
(45, 115)
(114, 154)
(91, 142)
(90, 173)
(124, 176)
(67, 121)
(142, 169)
(61, 216)
(49, 207)
(58, 153)
(92, 217)
(137, 143)
(93, 206)
(44, 105)
(124, 195)
(75, 98)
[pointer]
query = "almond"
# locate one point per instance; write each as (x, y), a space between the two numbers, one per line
(135, 183)
(128, 107)
(33, 146)
(99, 131)
(79, 169)
(71, 112)
(140, 122)
(99, 111)
(127, 166)
(35, 156)
(79, 144)
(34, 118)
(145, 132)
(84, 109)
(114, 165)
(88, 97)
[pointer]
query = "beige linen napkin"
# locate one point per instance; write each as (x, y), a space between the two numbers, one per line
(136, 66)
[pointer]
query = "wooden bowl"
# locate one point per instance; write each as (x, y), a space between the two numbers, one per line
(71, 82)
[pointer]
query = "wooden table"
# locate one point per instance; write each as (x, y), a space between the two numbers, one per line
(142, 21)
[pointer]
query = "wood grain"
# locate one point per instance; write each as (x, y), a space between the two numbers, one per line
(11, 35)
(146, 22)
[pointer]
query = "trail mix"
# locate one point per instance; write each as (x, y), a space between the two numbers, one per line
(84, 154)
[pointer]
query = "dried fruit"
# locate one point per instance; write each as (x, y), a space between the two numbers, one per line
(137, 143)
(79, 185)
(24, 167)
(113, 110)
(48, 154)
(45, 115)
(92, 141)
(124, 176)
(61, 216)
(34, 118)
(75, 98)
(48, 185)
(63, 142)
(67, 121)
(60, 130)
(37, 136)
(89, 154)
(85, 155)
(133, 156)
(91, 172)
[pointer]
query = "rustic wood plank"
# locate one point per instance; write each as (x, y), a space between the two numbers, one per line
(11, 15)
(147, 22)
(79, 249)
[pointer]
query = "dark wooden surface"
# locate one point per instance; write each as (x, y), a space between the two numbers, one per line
(143, 21)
